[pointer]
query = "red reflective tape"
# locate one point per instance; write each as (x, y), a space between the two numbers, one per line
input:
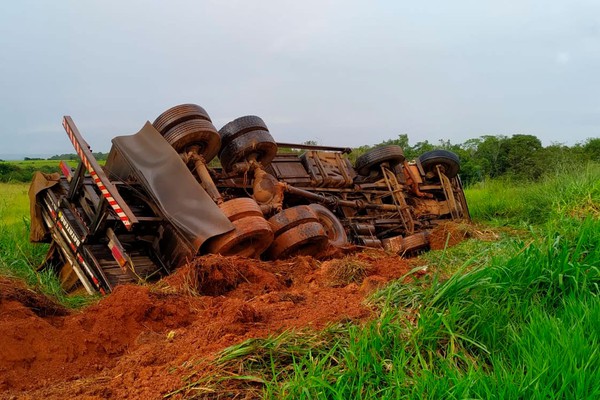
(66, 171)
(73, 247)
(118, 255)
(95, 176)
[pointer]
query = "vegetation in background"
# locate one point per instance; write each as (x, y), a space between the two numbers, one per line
(19, 257)
(519, 157)
(517, 318)
(22, 171)
(72, 156)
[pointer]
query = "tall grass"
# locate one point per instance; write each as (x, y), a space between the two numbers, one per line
(517, 322)
(574, 192)
(18, 257)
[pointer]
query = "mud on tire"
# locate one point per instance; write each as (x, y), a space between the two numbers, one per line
(298, 232)
(333, 227)
(372, 159)
(239, 126)
(253, 144)
(447, 159)
(252, 234)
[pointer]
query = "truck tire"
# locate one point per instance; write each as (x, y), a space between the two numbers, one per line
(333, 227)
(240, 208)
(252, 234)
(178, 114)
(250, 238)
(253, 144)
(447, 159)
(291, 217)
(372, 159)
(239, 126)
(297, 232)
(307, 239)
(195, 132)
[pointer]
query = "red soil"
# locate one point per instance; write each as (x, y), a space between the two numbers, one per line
(141, 341)
(449, 234)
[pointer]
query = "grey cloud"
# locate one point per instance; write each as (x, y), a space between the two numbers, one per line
(339, 71)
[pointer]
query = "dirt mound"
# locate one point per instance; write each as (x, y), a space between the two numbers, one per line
(448, 234)
(451, 233)
(18, 300)
(40, 348)
(137, 342)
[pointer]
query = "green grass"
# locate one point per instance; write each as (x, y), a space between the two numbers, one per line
(38, 163)
(22, 171)
(574, 192)
(515, 318)
(19, 257)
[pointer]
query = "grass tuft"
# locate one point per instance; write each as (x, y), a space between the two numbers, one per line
(343, 271)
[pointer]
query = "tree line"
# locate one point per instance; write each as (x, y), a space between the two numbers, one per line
(520, 157)
(72, 156)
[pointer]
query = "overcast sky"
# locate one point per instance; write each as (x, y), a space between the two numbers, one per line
(338, 72)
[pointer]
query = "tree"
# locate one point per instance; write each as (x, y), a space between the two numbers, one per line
(591, 149)
(491, 155)
(521, 151)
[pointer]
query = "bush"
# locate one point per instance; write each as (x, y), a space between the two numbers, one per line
(10, 172)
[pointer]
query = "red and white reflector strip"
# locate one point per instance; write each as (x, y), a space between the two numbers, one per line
(66, 170)
(86, 162)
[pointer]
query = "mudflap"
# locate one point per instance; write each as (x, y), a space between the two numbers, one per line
(147, 158)
(40, 182)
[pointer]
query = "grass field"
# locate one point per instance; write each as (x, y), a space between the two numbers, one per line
(19, 257)
(513, 318)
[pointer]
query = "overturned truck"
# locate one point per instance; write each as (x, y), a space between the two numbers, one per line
(161, 199)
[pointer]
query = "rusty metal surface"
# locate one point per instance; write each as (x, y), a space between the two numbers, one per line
(344, 150)
(328, 169)
(157, 166)
(289, 168)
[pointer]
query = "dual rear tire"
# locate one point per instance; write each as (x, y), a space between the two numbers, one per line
(252, 234)
(244, 139)
(297, 232)
(189, 125)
